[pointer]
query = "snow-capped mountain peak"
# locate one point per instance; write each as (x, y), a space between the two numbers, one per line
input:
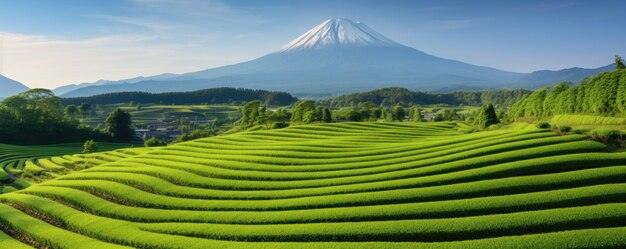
(339, 32)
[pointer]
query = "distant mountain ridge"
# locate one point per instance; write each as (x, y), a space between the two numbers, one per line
(543, 78)
(9, 87)
(339, 56)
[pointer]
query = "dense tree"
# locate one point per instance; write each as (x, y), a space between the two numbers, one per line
(450, 114)
(71, 110)
(603, 94)
(302, 108)
(326, 116)
(415, 114)
(310, 117)
(398, 113)
(90, 146)
(154, 142)
(619, 63)
(37, 117)
(620, 100)
(486, 116)
(119, 125)
(250, 113)
(387, 97)
(84, 108)
(354, 116)
(224, 95)
(550, 103)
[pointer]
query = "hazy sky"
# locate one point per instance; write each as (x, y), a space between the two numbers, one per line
(52, 43)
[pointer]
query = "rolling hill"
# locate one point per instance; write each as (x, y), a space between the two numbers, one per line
(341, 185)
(336, 56)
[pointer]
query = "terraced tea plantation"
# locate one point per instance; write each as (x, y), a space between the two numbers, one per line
(21, 164)
(343, 185)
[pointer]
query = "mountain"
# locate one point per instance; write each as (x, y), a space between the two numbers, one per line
(336, 56)
(9, 87)
(71, 87)
(543, 78)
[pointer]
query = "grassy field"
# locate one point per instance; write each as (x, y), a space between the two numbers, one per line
(341, 185)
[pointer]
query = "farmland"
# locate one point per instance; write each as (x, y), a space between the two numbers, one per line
(36, 163)
(338, 185)
(147, 113)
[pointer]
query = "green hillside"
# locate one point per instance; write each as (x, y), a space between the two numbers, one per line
(339, 185)
(29, 162)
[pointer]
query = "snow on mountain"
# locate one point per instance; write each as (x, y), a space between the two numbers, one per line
(339, 32)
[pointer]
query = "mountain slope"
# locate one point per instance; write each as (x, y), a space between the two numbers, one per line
(336, 56)
(548, 77)
(9, 87)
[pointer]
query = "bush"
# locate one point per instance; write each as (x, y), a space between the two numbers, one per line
(90, 146)
(279, 125)
(154, 142)
(564, 128)
(543, 125)
(605, 135)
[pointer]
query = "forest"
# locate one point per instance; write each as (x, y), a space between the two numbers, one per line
(38, 116)
(222, 95)
(603, 94)
(401, 96)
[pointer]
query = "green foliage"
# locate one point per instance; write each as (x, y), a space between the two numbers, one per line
(222, 95)
(71, 110)
(250, 113)
(280, 125)
(119, 125)
(38, 117)
(486, 116)
(619, 63)
(85, 108)
(550, 103)
(564, 129)
(416, 114)
(543, 125)
(300, 111)
(154, 142)
(327, 116)
(606, 135)
(354, 116)
(310, 117)
(90, 146)
(398, 113)
(388, 97)
(603, 94)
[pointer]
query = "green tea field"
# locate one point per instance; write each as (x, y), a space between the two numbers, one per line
(338, 185)
(40, 162)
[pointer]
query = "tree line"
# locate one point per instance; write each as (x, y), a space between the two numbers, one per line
(603, 94)
(222, 95)
(38, 116)
(389, 97)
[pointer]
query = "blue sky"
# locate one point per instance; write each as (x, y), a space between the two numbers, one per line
(52, 43)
